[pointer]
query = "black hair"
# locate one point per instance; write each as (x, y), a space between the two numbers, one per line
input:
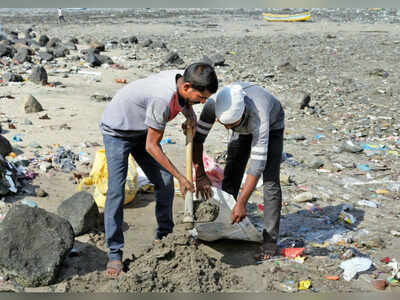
(202, 77)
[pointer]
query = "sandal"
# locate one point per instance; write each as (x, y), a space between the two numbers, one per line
(114, 268)
(267, 251)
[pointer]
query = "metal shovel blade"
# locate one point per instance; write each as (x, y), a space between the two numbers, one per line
(221, 227)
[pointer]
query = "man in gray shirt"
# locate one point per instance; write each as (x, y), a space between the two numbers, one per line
(257, 120)
(134, 123)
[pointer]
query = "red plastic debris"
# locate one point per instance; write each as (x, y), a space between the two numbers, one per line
(385, 260)
(292, 252)
(260, 207)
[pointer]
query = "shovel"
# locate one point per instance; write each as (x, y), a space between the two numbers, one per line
(188, 214)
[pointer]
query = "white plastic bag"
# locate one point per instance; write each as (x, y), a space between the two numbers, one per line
(355, 265)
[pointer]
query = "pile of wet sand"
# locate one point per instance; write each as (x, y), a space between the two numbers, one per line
(175, 264)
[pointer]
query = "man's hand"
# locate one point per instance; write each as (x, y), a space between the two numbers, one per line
(185, 186)
(203, 187)
(192, 124)
(191, 118)
(238, 213)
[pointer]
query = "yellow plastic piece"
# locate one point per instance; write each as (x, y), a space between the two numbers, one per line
(304, 285)
(286, 18)
(99, 177)
(382, 192)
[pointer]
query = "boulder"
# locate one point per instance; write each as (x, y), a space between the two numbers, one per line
(73, 41)
(93, 59)
(54, 43)
(133, 39)
(5, 50)
(39, 75)
(5, 146)
(34, 244)
(43, 40)
(147, 43)
(173, 58)
(22, 57)
(31, 105)
(11, 77)
(70, 46)
(105, 59)
(44, 55)
(81, 211)
(60, 51)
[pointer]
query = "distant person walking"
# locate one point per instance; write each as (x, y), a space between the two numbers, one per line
(60, 16)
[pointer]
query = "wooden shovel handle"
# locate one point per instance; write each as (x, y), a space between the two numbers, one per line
(189, 154)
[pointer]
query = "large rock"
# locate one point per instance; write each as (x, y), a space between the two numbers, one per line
(54, 43)
(34, 244)
(44, 55)
(105, 59)
(60, 51)
(43, 40)
(22, 57)
(93, 59)
(31, 105)
(11, 77)
(70, 46)
(81, 211)
(5, 50)
(39, 75)
(5, 146)
(173, 58)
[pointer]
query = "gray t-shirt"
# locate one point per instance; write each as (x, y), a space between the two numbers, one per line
(264, 113)
(141, 104)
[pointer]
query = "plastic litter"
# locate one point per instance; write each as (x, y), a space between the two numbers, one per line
(385, 260)
(319, 136)
(373, 147)
(382, 191)
(304, 285)
(364, 167)
(17, 137)
(29, 203)
(355, 265)
(166, 141)
(394, 233)
(99, 177)
(331, 277)
(119, 80)
(303, 197)
(396, 268)
(288, 286)
(292, 252)
(368, 203)
(65, 159)
(346, 217)
(214, 172)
